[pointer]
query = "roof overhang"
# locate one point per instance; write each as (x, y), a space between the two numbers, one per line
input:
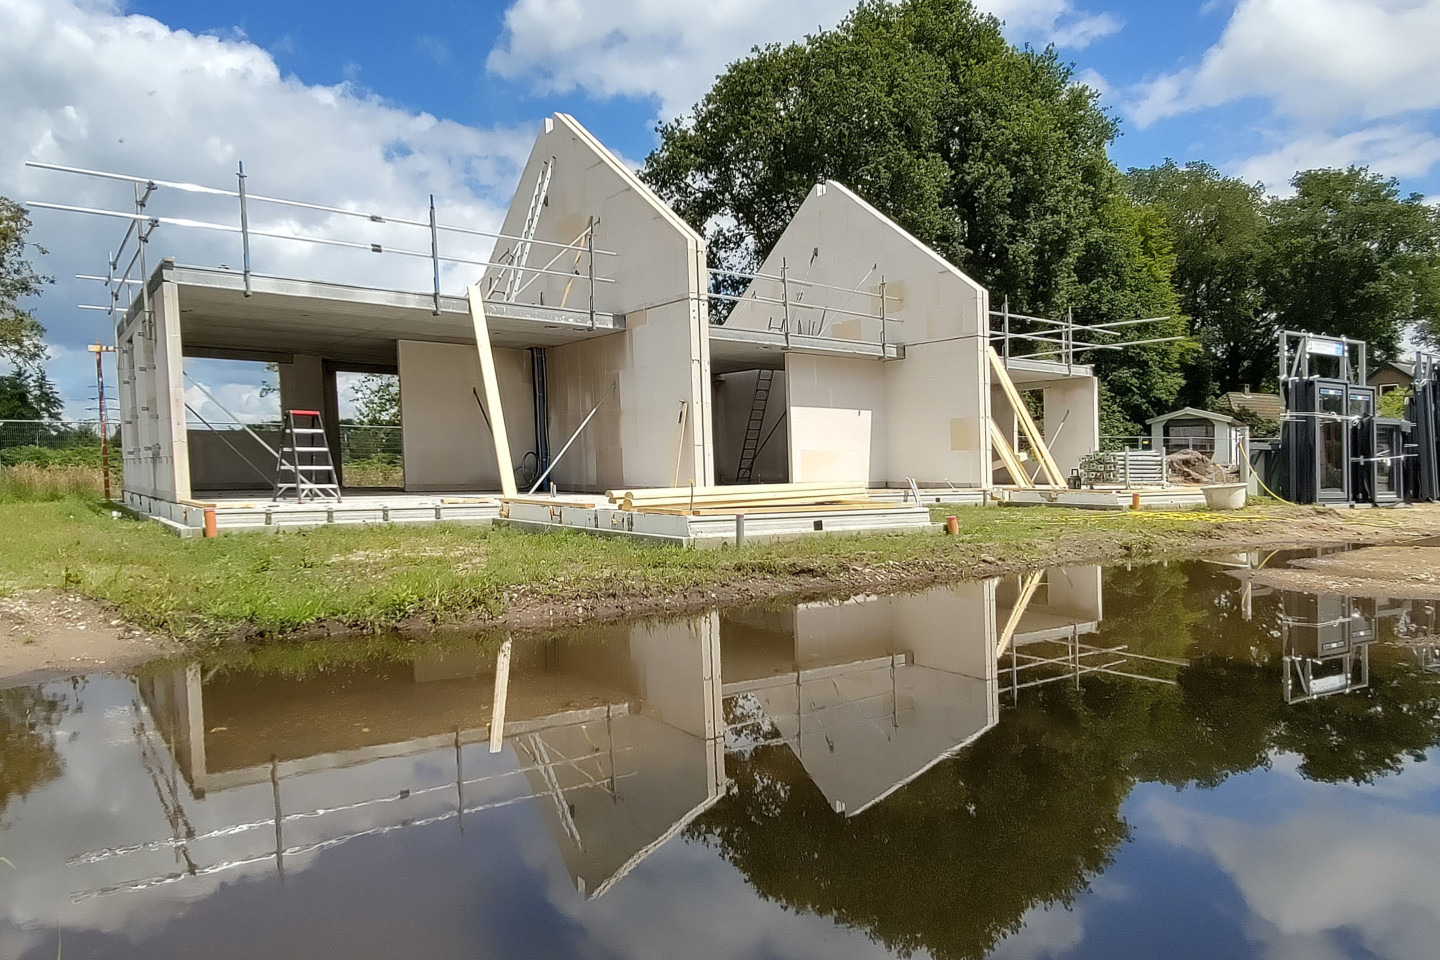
(359, 325)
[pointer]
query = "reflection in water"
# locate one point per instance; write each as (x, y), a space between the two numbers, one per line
(927, 770)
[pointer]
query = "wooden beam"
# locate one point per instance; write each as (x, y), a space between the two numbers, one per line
(492, 391)
(1027, 593)
(1008, 458)
(1027, 423)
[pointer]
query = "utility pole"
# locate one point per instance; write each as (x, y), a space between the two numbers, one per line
(99, 349)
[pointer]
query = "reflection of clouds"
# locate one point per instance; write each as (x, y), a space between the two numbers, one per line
(1322, 865)
(694, 904)
(1048, 932)
(108, 799)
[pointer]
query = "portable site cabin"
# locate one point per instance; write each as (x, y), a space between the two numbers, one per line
(583, 355)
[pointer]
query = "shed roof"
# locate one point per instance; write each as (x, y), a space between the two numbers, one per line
(1194, 412)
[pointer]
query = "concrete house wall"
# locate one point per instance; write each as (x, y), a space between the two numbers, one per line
(660, 361)
(882, 421)
(446, 443)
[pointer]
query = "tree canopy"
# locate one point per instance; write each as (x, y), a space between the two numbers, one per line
(1346, 254)
(992, 155)
(25, 391)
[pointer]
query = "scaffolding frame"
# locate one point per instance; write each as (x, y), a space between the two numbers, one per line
(143, 222)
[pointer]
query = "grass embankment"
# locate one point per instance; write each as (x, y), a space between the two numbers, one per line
(379, 578)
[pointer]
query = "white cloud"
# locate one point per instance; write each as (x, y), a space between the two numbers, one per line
(1345, 872)
(672, 51)
(1321, 59)
(1396, 150)
(84, 85)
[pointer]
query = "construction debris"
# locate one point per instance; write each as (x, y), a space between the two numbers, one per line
(1193, 467)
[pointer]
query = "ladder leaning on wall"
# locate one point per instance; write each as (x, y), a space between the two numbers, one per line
(303, 466)
(750, 449)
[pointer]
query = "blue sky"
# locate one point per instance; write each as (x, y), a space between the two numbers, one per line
(382, 104)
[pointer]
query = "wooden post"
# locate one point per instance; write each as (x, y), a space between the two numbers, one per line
(502, 688)
(492, 391)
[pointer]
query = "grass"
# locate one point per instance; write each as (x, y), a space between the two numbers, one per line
(375, 578)
(29, 483)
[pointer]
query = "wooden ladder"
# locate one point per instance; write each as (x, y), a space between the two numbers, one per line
(304, 466)
(750, 449)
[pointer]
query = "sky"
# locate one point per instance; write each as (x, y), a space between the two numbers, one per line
(377, 106)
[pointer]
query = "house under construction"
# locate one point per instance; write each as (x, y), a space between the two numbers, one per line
(856, 368)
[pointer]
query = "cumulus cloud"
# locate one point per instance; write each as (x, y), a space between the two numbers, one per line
(1322, 59)
(672, 51)
(83, 84)
(1397, 150)
(1342, 82)
(1344, 873)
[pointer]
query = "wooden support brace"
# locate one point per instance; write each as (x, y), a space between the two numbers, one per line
(1048, 467)
(492, 391)
(1027, 593)
(1008, 458)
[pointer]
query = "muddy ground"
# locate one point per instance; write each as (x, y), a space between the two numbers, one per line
(1400, 572)
(1325, 526)
(48, 635)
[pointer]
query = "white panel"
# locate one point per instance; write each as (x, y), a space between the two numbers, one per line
(446, 443)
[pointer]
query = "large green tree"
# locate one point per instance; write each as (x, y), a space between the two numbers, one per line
(1220, 243)
(992, 155)
(25, 391)
(1351, 256)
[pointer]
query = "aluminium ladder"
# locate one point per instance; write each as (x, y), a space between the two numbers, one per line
(304, 466)
(750, 449)
(527, 233)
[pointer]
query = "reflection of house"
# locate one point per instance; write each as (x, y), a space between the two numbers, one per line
(617, 740)
(1217, 435)
(868, 693)
(616, 737)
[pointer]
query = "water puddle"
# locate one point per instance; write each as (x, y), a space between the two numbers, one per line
(1155, 761)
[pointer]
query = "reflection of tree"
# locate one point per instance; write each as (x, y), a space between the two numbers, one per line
(1031, 812)
(28, 758)
(949, 864)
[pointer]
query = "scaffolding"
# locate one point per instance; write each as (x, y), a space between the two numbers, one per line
(127, 266)
(1056, 340)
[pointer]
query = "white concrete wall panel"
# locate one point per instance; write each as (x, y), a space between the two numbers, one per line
(837, 417)
(1075, 403)
(446, 443)
(930, 424)
(937, 403)
(659, 286)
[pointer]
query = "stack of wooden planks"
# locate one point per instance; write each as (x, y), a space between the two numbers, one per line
(746, 498)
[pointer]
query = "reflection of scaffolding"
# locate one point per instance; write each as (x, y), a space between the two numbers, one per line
(403, 802)
(1040, 662)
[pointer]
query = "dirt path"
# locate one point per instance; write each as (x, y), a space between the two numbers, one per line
(48, 635)
(1400, 572)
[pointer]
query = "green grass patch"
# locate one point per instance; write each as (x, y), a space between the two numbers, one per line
(376, 577)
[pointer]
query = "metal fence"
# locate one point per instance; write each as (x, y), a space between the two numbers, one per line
(1116, 442)
(52, 434)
